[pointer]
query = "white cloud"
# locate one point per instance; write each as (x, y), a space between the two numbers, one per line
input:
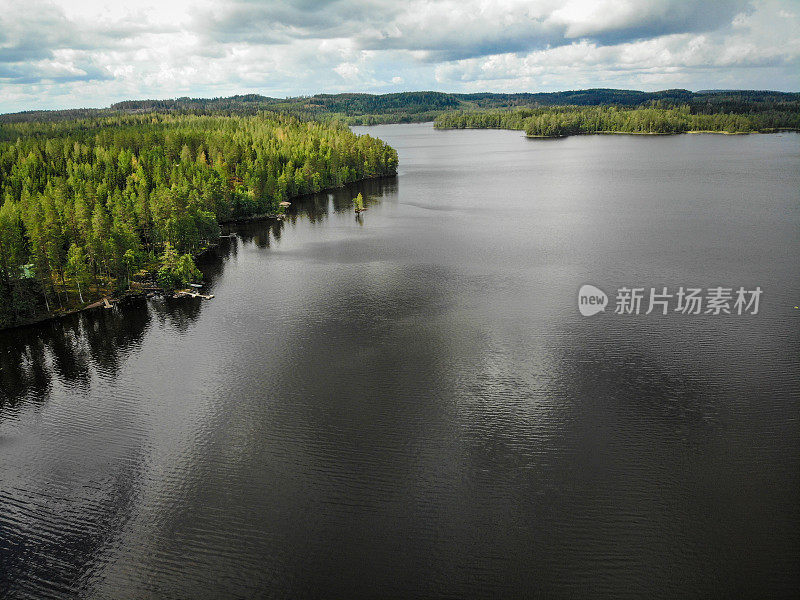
(347, 70)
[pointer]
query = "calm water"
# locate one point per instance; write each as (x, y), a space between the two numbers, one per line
(412, 405)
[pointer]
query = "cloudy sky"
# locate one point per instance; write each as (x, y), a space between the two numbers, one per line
(76, 53)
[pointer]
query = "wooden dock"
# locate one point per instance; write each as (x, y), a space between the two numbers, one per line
(191, 294)
(104, 302)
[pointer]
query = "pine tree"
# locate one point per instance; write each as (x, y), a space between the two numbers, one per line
(77, 268)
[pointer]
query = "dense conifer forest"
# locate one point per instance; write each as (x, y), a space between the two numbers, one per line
(86, 204)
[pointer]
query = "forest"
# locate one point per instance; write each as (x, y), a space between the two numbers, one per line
(87, 205)
(659, 117)
(407, 107)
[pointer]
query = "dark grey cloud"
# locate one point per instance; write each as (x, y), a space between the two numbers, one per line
(514, 31)
(456, 31)
(469, 40)
(25, 74)
(33, 33)
(673, 17)
(24, 51)
(270, 21)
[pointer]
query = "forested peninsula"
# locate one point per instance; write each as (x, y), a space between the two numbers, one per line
(90, 204)
(560, 121)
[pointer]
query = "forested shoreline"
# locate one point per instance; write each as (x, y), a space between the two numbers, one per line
(88, 206)
(408, 107)
(560, 121)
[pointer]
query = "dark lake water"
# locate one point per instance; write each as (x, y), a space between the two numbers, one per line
(411, 405)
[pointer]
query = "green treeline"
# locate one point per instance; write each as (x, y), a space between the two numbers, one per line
(573, 120)
(404, 107)
(85, 204)
(353, 109)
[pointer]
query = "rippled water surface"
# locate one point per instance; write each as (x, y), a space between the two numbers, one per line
(411, 405)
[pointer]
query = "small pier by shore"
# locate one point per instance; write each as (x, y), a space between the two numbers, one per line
(192, 292)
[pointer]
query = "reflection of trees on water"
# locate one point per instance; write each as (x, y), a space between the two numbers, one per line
(69, 348)
(70, 362)
(114, 333)
(315, 208)
(259, 232)
(23, 367)
(178, 313)
(86, 516)
(318, 207)
(212, 263)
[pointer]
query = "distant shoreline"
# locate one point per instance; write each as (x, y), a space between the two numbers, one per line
(654, 133)
(551, 137)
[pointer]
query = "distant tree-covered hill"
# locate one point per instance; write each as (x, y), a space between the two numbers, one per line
(357, 109)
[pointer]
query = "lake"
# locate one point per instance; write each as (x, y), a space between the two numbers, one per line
(411, 405)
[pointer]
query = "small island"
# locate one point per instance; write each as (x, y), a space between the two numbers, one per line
(358, 203)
